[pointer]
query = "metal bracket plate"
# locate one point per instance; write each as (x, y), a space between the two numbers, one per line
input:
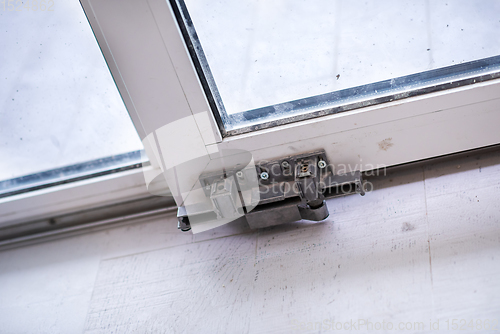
(289, 189)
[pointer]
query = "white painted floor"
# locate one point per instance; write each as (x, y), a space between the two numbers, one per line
(423, 247)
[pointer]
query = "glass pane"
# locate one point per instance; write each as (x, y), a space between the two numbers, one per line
(268, 60)
(59, 104)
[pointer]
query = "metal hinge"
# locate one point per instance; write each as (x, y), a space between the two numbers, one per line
(288, 189)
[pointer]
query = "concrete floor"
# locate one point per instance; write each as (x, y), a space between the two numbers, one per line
(422, 249)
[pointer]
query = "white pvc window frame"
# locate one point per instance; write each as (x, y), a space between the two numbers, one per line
(73, 197)
(150, 62)
(148, 58)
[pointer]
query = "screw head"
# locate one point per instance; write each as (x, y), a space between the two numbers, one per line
(321, 164)
(264, 175)
(285, 164)
(239, 173)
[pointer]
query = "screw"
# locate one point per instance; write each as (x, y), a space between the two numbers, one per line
(264, 175)
(285, 164)
(321, 164)
(239, 174)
